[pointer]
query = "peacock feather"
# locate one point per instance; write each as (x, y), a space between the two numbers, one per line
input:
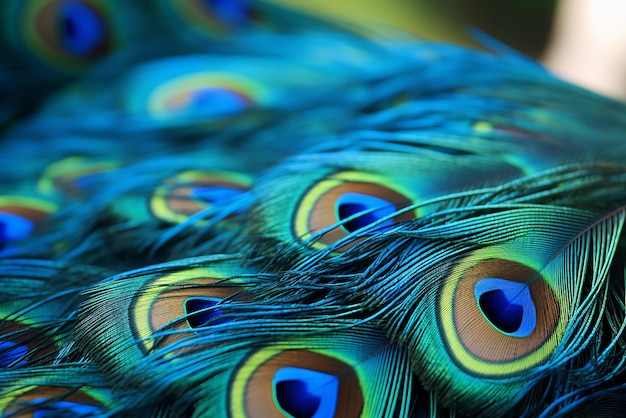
(230, 209)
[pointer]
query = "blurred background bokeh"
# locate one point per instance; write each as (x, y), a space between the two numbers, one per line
(521, 24)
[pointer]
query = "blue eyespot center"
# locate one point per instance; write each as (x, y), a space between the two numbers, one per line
(11, 354)
(14, 227)
(216, 101)
(200, 310)
(303, 393)
(81, 30)
(232, 12)
(507, 305)
(85, 181)
(349, 204)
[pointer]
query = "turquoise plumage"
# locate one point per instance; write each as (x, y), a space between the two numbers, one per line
(253, 213)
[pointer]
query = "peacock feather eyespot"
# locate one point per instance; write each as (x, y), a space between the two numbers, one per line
(339, 199)
(192, 191)
(19, 216)
(71, 175)
(44, 401)
(297, 383)
(177, 302)
(503, 317)
(22, 343)
(66, 32)
(202, 94)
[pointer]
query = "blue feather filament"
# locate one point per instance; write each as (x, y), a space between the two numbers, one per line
(303, 393)
(215, 195)
(507, 305)
(11, 353)
(64, 407)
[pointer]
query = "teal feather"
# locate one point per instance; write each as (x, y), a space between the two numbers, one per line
(198, 21)
(165, 328)
(38, 300)
(46, 44)
(249, 212)
(147, 310)
(195, 91)
(63, 390)
(414, 272)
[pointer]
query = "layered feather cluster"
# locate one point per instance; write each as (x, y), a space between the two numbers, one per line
(228, 209)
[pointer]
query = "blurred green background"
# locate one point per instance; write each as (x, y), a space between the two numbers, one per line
(522, 24)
